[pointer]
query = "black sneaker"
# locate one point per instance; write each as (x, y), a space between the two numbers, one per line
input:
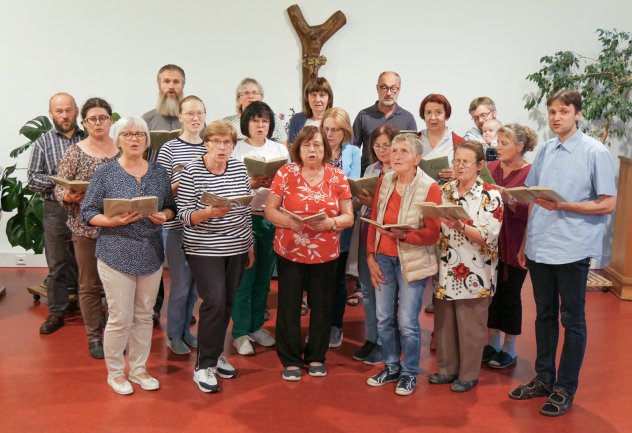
(317, 370)
(489, 353)
(375, 357)
(291, 375)
(96, 349)
(502, 360)
(364, 351)
(387, 375)
(558, 403)
(406, 384)
(533, 389)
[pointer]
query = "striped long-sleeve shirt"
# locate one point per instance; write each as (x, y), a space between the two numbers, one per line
(218, 237)
(172, 154)
(46, 153)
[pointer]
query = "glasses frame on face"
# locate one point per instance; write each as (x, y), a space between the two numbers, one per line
(262, 122)
(249, 93)
(482, 116)
(191, 115)
(458, 163)
(131, 135)
(218, 143)
(332, 130)
(377, 147)
(393, 89)
(94, 120)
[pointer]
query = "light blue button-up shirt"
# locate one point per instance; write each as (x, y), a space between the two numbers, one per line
(580, 169)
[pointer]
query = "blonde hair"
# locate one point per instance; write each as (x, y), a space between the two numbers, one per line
(187, 99)
(240, 88)
(483, 100)
(341, 118)
(520, 134)
(219, 127)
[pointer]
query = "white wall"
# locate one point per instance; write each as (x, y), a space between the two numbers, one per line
(113, 50)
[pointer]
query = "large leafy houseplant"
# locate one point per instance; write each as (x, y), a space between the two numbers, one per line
(604, 83)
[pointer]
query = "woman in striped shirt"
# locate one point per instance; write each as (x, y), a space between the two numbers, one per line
(183, 294)
(217, 242)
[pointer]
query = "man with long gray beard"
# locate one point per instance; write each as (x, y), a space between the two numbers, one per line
(58, 246)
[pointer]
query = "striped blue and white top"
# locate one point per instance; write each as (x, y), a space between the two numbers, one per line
(218, 237)
(172, 154)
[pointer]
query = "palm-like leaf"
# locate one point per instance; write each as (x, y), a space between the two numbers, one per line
(33, 129)
(19, 150)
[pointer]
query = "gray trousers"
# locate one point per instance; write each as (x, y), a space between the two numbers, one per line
(60, 257)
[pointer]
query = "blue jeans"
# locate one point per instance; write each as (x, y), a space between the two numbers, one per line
(410, 300)
(368, 297)
(183, 294)
(552, 284)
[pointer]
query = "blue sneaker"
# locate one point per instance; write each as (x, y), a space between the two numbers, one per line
(406, 384)
(387, 375)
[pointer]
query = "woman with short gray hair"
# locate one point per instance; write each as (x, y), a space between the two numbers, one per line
(402, 261)
(129, 251)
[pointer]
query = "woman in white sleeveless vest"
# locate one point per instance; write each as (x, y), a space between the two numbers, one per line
(401, 261)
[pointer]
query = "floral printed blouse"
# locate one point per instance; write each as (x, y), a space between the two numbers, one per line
(309, 246)
(467, 270)
(78, 165)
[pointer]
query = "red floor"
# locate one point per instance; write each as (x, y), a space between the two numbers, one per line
(49, 383)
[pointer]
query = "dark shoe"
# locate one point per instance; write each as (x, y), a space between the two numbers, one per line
(387, 375)
(458, 386)
(429, 309)
(535, 388)
(376, 357)
(96, 350)
(502, 360)
(406, 384)
(558, 403)
(291, 375)
(52, 324)
(442, 379)
(317, 370)
(156, 318)
(177, 346)
(266, 314)
(489, 353)
(193, 320)
(364, 351)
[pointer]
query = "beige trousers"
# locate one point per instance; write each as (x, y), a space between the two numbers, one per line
(131, 300)
(460, 330)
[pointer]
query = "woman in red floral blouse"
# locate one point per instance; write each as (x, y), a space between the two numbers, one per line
(309, 250)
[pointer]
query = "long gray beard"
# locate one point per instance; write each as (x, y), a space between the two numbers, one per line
(168, 106)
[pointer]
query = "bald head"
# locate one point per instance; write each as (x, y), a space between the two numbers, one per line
(388, 84)
(492, 125)
(61, 98)
(63, 112)
(389, 76)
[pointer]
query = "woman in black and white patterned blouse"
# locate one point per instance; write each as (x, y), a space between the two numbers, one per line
(218, 244)
(129, 251)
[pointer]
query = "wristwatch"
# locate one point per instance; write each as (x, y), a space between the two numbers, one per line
(335, 225)
(511, 201)
(463, 228)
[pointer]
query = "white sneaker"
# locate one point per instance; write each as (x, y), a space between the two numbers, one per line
(150, 384)
(243, 346)
(224, 369)
(124, 388)
(206, 380)
(262, 337)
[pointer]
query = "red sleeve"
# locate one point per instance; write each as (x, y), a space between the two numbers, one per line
(429, 235)
(370, 241)
(275, 187)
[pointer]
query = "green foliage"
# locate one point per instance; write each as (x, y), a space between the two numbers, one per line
(604, 83)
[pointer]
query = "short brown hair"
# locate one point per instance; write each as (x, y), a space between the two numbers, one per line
(566, 97)
(318, 84)
(306, 134)
(341, 118)
(438, 99)
(474, 146)
(171, 67)
(387, 129)
(219, 127)
(521, 134)
(483, 100)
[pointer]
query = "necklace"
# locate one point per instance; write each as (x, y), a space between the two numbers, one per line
(311, 179)
(130, 169)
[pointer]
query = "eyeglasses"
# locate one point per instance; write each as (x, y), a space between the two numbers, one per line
(393, 89)
(191, 115)
(383, 146)
(94, 120)
(458, 162)
(316, 146)
(218, 143)
(247, 93)
(130, 135)
(263, 122)
(332, 130)
(481, 117)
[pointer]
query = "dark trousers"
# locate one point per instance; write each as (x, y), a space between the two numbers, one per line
(217, 279)
(321, 289)
(505, 311)
(60, 257)
(340, 300)
(160, 297)
(552, 284)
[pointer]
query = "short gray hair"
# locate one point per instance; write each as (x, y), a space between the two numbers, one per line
(240, 88)
(127, 122)
(393, 72)
(413, 140)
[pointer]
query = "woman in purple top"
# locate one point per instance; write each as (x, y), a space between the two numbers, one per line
(505, 311)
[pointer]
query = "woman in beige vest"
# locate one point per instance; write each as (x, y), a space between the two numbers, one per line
(400, 261)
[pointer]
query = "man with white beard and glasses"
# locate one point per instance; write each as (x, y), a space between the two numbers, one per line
(58, 246)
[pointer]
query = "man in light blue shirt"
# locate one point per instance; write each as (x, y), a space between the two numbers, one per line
(560, 240)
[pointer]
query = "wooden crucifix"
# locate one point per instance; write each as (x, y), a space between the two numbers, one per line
(313, 38)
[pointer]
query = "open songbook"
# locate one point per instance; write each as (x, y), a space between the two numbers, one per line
(75, 185)
(433, 210)
(432, 167)
(389, 226)
(143, 205)
(486, 176)
(406, 131)
(179, 167)
(158, 138)
(527, 195)
(317, 217)
(215, 200)
(359, 185)
(258, 167)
